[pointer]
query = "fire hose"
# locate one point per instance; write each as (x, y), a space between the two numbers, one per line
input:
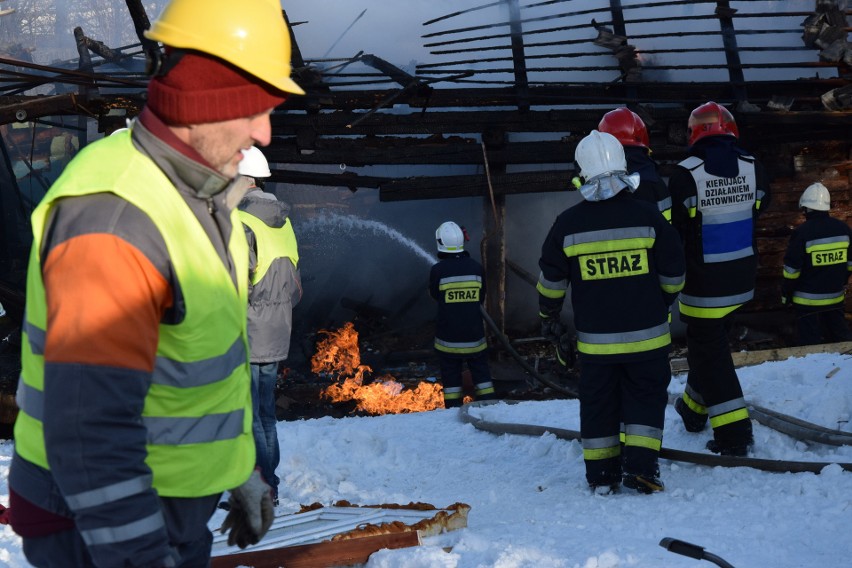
(712, 460)
(521, 361)
(794, 427)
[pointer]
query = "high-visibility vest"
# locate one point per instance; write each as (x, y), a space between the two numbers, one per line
(198, 408)
(272, 243)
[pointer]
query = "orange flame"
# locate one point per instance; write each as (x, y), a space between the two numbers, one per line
(339, 356)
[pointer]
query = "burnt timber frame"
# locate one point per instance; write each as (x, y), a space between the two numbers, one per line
(446, 126)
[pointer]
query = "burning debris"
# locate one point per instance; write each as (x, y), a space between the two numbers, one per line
(339, 358)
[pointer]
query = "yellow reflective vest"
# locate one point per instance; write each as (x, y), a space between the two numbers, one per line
(198, 408)
(272, 243)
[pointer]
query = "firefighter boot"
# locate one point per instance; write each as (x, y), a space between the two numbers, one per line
(739, 449)
(732, 439)
(644, 484)
(604, 476)
(692, 421)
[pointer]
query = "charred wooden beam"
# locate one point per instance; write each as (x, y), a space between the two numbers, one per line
(389, 69)
(626, 53)
(33, 108)
(519, 62)
(349, 180)
(140, 24)
(460, 12)
(732, 54)
(438, 187)
(688, 94)
(556, 120)
(668, 20)
(444, 187)
(634, 36)
(85, 63)
(357, 152)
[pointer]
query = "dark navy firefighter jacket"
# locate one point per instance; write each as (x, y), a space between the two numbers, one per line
(457, 284)
(625, 266)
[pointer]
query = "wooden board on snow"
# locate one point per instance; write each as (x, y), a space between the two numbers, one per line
(748, 358)
(318, 555)
(340, 535)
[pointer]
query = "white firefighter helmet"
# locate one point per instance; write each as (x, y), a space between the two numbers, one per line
(450, 237)
(599, 153)
(254, 164)
(816, 197)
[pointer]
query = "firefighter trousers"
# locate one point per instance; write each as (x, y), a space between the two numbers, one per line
(713, 388)
(821, 325)
(628, 397)
(451, 377)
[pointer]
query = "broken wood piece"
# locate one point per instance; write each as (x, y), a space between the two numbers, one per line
(748, 358)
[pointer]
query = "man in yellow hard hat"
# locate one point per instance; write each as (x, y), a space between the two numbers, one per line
(134, 395)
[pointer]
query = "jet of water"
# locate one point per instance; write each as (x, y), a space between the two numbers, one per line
(348, 223)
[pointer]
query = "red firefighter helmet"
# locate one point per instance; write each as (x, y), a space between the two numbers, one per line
(626, 126)
(711, 119)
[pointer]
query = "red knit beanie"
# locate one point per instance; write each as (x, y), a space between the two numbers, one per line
(201, 89)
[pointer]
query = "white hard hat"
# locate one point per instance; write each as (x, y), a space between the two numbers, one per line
(254, 164)
(599, 153)
(816, 197)
(450, 237)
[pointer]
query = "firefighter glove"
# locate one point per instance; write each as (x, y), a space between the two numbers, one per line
(565, 351)
(251, 512)
(552, 329)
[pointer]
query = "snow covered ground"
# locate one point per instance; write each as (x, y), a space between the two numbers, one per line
(531, 508)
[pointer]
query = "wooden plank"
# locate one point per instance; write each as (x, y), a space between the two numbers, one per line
(444, 187)
(768, 126)
(688, 94)
(319, 555)
(357, 152)
(749, 358)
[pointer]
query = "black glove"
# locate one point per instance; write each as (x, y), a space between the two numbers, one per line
(251, 512)
(565, 351)
(552, 329)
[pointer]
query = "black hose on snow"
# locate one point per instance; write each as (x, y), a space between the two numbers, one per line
(799, 429)
(517, 356)
(776, 466)
(789, 425)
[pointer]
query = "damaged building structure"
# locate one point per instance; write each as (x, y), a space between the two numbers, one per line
(377, 154)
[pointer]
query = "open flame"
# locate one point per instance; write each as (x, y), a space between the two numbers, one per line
(339, 356)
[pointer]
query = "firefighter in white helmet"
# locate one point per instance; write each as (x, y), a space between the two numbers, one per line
(457, 284)
(717, 194)
(274, 288)
(135, 402)
(817, 265)
(624, 264)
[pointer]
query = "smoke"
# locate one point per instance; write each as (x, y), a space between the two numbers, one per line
(529, 218)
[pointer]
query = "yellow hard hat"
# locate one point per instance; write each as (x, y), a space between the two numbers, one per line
(251, 35)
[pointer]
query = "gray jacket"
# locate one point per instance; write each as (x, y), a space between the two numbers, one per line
(271, 300)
